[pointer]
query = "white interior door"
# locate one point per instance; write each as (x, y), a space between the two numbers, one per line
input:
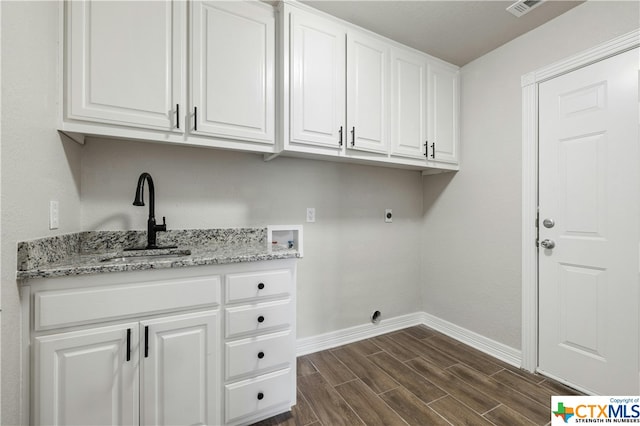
(589, 188)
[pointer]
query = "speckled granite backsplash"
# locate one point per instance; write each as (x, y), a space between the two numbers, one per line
(36, 253)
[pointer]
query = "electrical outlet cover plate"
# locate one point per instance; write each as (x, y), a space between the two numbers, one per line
(54, 215)
(311, 214)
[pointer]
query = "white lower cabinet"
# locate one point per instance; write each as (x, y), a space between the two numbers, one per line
(97, 376)
(260, 362)
(164, 347)
(179, 363)
(258, 394)
(85, 378)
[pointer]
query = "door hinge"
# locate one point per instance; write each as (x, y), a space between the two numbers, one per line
(538, 227)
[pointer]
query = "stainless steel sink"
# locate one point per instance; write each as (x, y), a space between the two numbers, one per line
(145, 257)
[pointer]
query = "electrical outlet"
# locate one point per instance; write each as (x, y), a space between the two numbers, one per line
(311, 214)
(388, 215)
(54, 215)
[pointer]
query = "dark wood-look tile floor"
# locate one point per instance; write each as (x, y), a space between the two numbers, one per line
(416, 376)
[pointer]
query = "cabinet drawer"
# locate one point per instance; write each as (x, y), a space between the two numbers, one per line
(58, 308)
(257, 284)
(258, 354)
(258, 317)
(263, 392)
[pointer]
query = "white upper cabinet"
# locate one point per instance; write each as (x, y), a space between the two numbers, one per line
(333, 90)
(317, 82)
(443, 113)
(350, 94)
(367, 93)
(124, 63)
(232, 70)
(339, 86)
(409, 104)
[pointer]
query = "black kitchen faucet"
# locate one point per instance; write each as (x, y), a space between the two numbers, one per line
(152, 228)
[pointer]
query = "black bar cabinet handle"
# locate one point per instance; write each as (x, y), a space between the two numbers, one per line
(353, 136)
(340, 132)
(433, 150)
(177, 116)
(146, 342)
(128, 344)
(426, 148)
(195, 118)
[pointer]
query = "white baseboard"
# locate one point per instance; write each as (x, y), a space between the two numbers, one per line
(333, 339)
(491, 347)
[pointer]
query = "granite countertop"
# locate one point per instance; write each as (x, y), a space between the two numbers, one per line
(98, 252)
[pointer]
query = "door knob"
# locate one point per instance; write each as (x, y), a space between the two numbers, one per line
(548, 244)
(548, 223)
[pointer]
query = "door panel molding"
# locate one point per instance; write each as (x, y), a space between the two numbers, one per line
(530, 82)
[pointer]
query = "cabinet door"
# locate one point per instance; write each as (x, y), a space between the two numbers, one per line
(409, 104)
(443, 107)
(233, 63)
(180, 358)
(124, 62)
(317, 78)
(87, 377)
(367, 93)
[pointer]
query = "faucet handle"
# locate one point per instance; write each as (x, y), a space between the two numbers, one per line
(162, 227)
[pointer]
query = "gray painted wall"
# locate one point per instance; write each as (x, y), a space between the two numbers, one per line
(472, 221)
(36, 165)
(354, 262)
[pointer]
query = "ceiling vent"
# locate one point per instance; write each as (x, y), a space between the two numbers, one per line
(521, 7)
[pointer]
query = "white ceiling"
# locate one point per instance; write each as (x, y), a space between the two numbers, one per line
(456, 31)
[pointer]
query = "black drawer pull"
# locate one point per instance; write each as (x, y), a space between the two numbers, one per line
(260, 318)
(260, 355)
(146, 342)
(260, 396)
(260, 286)
(128, 344)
